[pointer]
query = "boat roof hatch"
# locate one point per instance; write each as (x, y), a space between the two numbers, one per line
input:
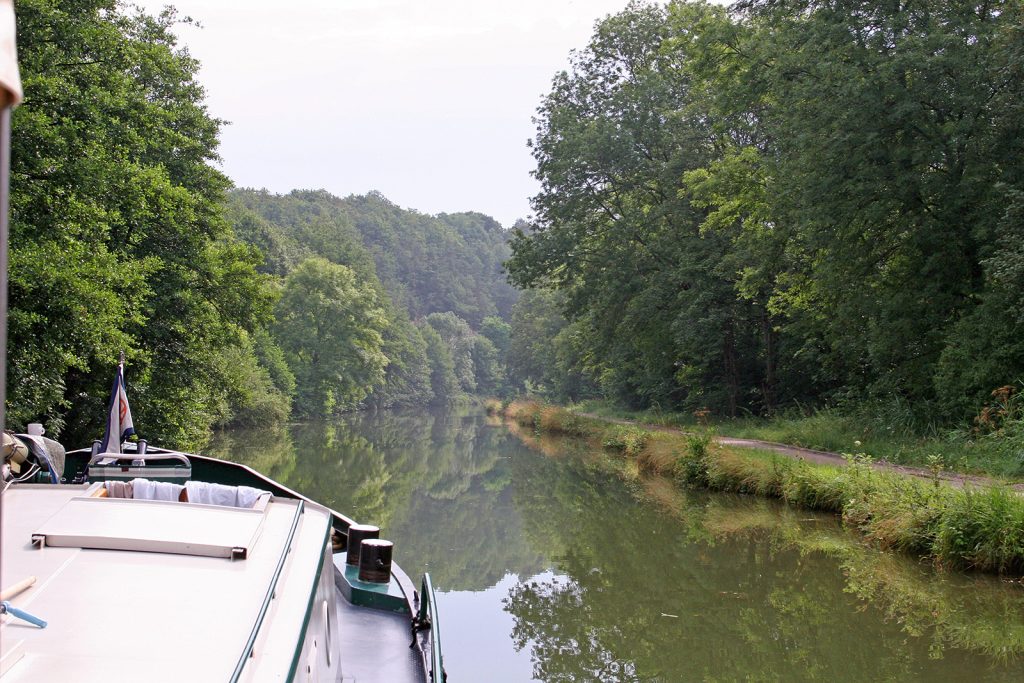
(152, 526)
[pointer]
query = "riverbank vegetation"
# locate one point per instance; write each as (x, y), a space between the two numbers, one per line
(232, 306)
(969, 528)
(950, 609)
(882, 434)
(788, 208)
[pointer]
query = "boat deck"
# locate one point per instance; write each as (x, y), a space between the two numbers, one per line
(375, 646)
(115, 613)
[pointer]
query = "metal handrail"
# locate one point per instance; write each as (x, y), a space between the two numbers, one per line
(149, 455)
(427, 618)
(271, 592)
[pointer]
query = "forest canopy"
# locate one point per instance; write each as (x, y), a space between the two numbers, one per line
(240, 308)
(786, 201)
(783, 202)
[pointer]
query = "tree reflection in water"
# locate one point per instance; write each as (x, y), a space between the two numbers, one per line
(657, 583)
(634, 579)
(438, 484)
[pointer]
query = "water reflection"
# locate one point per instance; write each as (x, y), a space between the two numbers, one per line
(683, 585)
(437, 483)
(561, 563)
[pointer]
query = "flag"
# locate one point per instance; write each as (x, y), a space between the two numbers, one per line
(119, 416)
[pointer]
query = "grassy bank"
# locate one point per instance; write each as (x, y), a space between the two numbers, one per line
(962, 528)
(883, 432)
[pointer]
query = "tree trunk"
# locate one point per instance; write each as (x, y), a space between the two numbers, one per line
(768, 388)
(731, 370)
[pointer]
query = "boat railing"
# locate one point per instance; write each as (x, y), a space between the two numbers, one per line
(269, 597)
(110, 458)
(427, 620)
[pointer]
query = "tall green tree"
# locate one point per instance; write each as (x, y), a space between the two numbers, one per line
(407, 379)
(798, 199)
(892, 138)
(331, 329)
(458, 337)
(615, 232)
(443, 381)
(546, 351)
(117, 237)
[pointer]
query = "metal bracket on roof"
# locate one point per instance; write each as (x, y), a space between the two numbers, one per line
(39, 540)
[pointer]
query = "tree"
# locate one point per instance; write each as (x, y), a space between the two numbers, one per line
(426, 264)
(443, 382)
(407, 378)
(488, 372)
(893, 137)
(458, 337)
(798, 200)
(536, 319)
(117, 237)
(499, 332)
(613, 230)
(331, 329)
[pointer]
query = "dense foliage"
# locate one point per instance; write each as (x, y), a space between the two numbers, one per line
(117, 236)
(792, 200)
(246, 308)
(427, 264)
(443, 272)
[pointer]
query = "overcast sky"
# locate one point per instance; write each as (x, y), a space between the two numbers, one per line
(427, 101)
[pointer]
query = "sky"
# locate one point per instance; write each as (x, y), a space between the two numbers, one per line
(427, 101)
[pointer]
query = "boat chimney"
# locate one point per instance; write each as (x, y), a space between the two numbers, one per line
(357, 533)
(375, 560)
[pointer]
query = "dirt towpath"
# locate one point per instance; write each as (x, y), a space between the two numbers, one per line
(815, 456)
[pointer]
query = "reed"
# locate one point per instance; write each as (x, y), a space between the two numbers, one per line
(983, 529)
(659, 454)
(551, 419)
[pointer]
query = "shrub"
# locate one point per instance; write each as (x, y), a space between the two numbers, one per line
(692, 466)
(629, 440)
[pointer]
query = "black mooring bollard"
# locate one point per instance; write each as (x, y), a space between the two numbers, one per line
(357, 533)
(375, 561)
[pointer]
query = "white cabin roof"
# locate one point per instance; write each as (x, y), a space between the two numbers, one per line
(118, 612)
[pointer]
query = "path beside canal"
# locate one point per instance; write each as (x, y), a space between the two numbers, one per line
(820, 457)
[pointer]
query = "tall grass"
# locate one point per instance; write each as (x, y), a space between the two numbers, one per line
(887, 429)
(983, 529)
(963, 528)
(547, 418)
(493, 406)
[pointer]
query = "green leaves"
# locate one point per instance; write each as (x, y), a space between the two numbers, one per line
(331, 329)
(797, 202)
(117, 239)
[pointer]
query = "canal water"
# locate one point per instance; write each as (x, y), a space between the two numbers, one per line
(556, 562)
